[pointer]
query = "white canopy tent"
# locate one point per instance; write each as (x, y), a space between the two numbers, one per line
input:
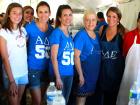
(129, 8)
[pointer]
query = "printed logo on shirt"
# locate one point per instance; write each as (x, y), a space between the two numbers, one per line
(94, 50)
(42, 48)
(68, 46)
(21, 41)
(110, 55)
(68, 54)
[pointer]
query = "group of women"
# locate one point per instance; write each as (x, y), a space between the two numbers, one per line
(38, 53)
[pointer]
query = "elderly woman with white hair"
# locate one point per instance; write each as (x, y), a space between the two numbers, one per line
(87, 57)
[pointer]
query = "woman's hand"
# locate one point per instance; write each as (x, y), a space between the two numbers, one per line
(59, 83)
(81, 80)
(13, 90)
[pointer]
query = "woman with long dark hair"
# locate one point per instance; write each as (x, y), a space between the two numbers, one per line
(13, 52)
(112, 64)
(62, 51)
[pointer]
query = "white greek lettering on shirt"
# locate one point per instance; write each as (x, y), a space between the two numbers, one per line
(42, 48)
(68, 55)
(92, 50)
(110, 55)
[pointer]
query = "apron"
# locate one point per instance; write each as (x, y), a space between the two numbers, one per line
(91, 68)
(131, 73)
(112, 65)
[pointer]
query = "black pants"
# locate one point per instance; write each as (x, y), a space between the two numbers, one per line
(109, 98)
(95, 99)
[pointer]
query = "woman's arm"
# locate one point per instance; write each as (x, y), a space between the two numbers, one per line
(5, 60)
(54, 53)
(78, 66)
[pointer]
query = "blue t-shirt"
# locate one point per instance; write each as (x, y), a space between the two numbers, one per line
(38, 47)
(65, 55)
(102, 23)
(83, 43)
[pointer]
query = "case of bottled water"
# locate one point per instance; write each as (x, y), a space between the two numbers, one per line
(134, 95)
(51, 93)
(59, 99)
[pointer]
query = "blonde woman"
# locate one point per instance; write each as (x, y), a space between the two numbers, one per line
(87, 57)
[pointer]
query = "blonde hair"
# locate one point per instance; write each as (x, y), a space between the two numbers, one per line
(89, 11)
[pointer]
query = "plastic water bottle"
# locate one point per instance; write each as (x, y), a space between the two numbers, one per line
(138, 100)
(134, 94)
(51, 93)
(59, 99)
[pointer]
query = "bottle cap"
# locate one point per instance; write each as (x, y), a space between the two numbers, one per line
(52, 83)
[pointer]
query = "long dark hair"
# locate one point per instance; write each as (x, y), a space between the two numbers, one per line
(7, 22)
(120, 27)
(59, 13)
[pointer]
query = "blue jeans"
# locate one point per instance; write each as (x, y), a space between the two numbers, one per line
(67, 85)
(37, 78)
